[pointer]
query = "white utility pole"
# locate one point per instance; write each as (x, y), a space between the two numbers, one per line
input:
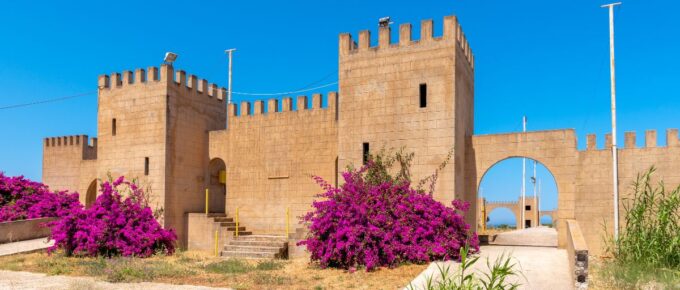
(524, 177)
(230, 52)
(533, 180)
(615, 161)
(538, 201)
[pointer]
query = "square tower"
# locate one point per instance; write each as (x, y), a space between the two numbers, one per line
(153, 126)
(416, 94)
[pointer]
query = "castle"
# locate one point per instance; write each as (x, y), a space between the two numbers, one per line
(177, 134)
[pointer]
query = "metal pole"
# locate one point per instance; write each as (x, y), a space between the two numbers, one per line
(524, 173)
(538, 222)
(615, 161)
(230, 53)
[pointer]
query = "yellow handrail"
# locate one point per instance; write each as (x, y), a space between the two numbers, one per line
(216, 243)
(237, 222)
(206, 201)
(287, 222)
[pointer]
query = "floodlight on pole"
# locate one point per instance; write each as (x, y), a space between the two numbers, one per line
(615, 160)
(230, 52)
(170, 58)
(384, 21)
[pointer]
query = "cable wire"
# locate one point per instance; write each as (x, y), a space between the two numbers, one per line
(47, 101)
(285, 93)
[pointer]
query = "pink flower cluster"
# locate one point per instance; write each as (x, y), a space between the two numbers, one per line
(21, 198)
(384, 224)
(119, 222)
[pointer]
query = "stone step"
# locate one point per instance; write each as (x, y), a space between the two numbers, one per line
(266, 249)
(233, 229)
(227, 224)
(252, 255)
(223, 219)
(242, 234)
(216, 215)
(265, 243)
(264, 238)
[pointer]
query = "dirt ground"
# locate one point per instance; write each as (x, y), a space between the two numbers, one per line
(195, 268)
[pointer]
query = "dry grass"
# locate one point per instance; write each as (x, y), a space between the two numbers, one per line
(197, 268)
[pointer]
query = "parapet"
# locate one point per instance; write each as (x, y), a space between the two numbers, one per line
(77, 142)
(166, 74)
(630, 140)
(255, 108)
(452, 32)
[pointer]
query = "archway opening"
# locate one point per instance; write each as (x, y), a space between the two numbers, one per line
(217, 187)
(524, 187)
(91, 195)
(547, 221)
(501, 218)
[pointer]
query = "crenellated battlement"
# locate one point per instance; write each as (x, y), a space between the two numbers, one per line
(76, 142)
(166, 74)
(630, 140)
(452, 32)
(243, 110)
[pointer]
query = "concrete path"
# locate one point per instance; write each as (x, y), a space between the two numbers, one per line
(540, 236)
(25, 246)
(542, 267)
(25, 280)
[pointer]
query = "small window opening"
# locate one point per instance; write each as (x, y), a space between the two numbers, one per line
(146, 165)
(527, 207)
(113, 127)
(423, 95)
(366, 152)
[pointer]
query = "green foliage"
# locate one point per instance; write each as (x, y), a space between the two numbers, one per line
(267, 265)
(496, 278)
(230, 266)
(648, 247)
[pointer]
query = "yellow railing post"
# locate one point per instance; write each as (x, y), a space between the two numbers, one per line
(217, 239)
(206, 201)
(237, 222)
(287, 222)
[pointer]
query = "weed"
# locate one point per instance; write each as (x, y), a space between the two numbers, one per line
(269, 279)
(269, 265)
(230, 266)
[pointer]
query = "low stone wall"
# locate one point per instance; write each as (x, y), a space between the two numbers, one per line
(22, 230)
(295, 251)
(201, 233)
(577, 253)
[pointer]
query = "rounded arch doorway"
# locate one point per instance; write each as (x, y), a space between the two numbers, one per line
(217, 186)
(91, 194)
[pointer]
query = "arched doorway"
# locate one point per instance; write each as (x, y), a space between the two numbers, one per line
(217, 185)
(501, 218)
(547, 220)
(91, 195)
(501, 187)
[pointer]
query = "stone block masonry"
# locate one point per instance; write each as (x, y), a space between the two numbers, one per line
(176, 134)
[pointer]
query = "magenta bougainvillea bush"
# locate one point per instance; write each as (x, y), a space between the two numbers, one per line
(372, 222)
(21, 198)
(120, 222)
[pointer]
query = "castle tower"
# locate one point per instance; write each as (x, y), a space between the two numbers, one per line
(153, 126)
(416, 94)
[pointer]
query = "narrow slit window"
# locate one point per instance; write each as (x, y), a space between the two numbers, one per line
(113, 127)
(146, 165)
(366, 152)
(423, 95)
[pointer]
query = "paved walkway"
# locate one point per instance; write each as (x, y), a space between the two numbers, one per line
(540, 236)
(25, 246)
(25, 280)
(542, 267)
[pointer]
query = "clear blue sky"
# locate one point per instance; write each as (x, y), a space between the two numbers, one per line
(544, 59)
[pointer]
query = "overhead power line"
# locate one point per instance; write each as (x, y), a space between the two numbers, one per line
(47, 101)
(285, 93)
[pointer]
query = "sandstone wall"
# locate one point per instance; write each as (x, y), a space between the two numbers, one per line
(270, 156)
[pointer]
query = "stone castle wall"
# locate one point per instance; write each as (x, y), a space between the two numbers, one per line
(271, 155)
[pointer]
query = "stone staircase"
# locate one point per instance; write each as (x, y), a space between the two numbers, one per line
(256, 247)
(228, 224)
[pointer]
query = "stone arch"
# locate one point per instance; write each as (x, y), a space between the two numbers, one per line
(512, 207)
(217, 185)
(550, 213)
(556, 150)
(91, 194)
